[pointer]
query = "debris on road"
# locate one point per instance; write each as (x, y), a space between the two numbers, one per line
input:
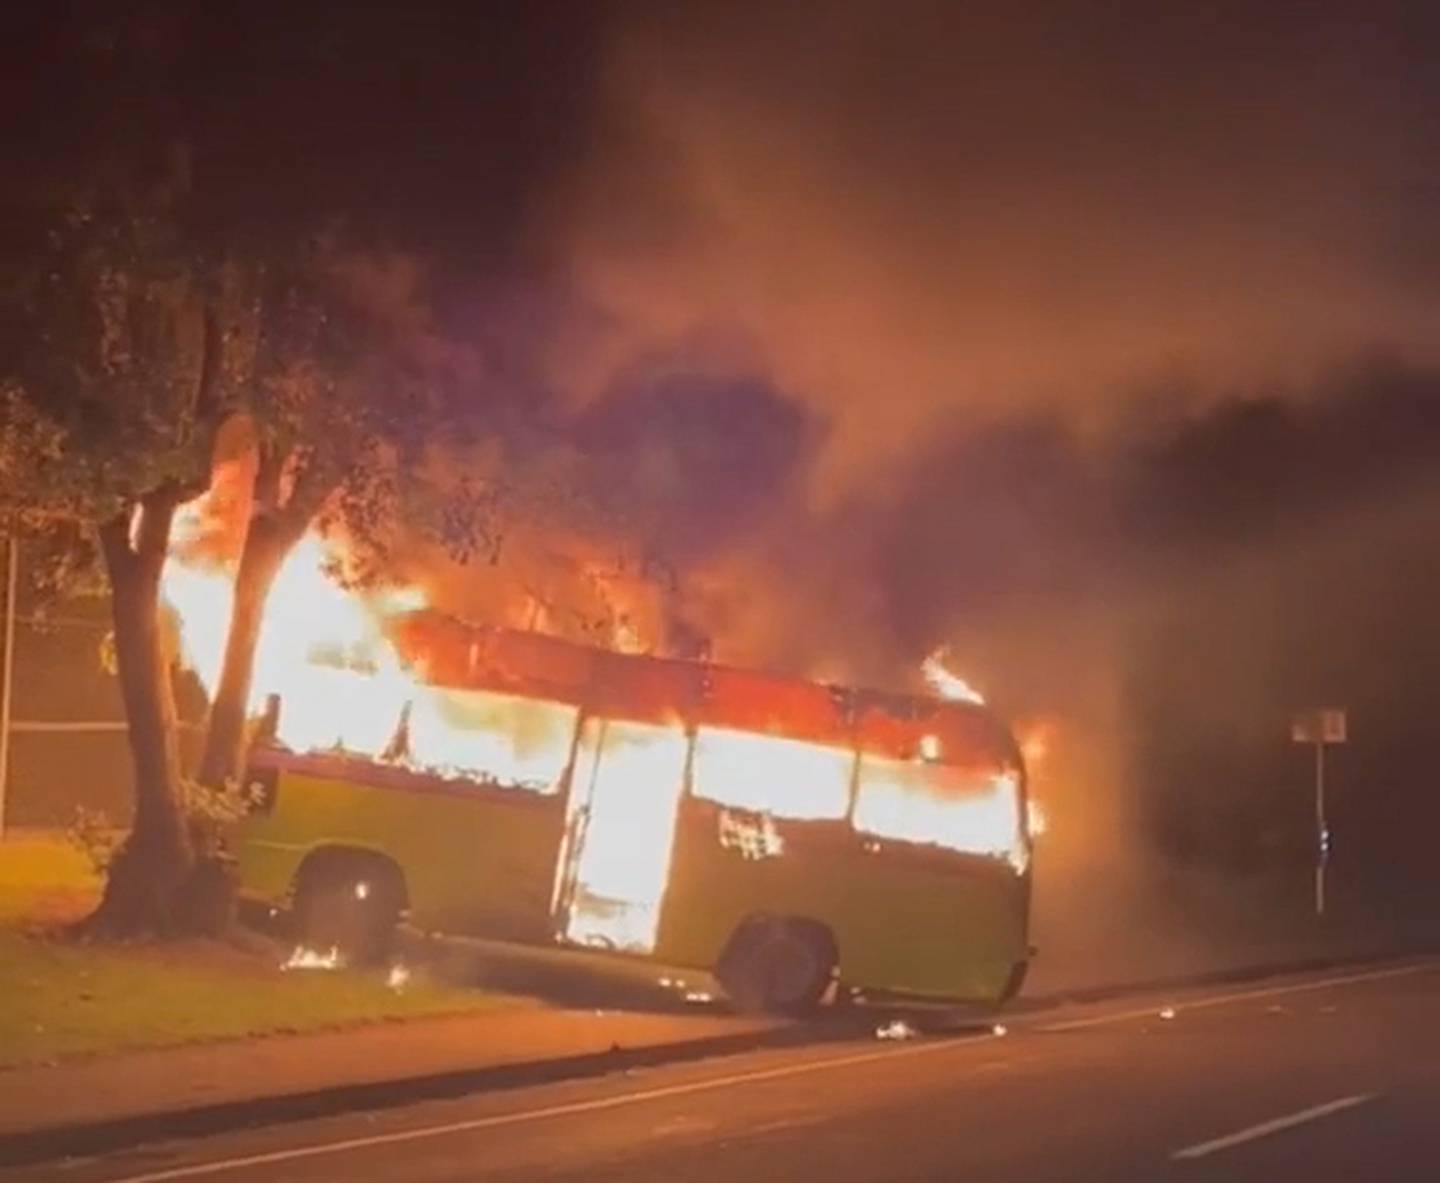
(896, 1029)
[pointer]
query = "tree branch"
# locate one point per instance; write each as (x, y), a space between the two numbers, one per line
(152, 539)
(207, 413)
(268, 471)
(206, 408)
(115, 545)
(307, 494)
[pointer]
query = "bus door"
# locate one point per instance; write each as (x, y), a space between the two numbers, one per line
(625, 790)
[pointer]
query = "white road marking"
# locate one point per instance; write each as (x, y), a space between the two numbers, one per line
(1266, 1128)
(1150, 1012)
(219, 1166)
(503, 1119)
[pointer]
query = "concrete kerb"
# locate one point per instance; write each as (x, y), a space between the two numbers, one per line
(79, 1139)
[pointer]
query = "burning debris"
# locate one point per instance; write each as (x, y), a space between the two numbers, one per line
(946, 683)
(303, 958)
(1035, 820)
(753, 835)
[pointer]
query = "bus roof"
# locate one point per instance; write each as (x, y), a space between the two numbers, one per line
(452, 653)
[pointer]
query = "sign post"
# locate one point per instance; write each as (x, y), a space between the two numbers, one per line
(1321, 727)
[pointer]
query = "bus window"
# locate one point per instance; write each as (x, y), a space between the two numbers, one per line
(976, 811)
(629, 777)
(502, 740)
(787, 778)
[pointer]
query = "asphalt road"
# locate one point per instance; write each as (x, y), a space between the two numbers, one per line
(1327, 1077)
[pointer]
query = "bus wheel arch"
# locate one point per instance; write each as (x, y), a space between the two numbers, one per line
(778, 964)
(350, 899)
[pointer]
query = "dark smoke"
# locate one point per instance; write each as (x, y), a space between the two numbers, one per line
(875, 327)
(1166, 597)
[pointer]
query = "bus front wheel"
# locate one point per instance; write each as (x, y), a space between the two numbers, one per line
(349, 904)
(778, 965)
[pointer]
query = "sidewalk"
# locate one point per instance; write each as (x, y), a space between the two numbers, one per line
(69, 1108)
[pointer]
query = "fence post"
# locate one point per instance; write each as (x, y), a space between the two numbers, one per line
(7, 676)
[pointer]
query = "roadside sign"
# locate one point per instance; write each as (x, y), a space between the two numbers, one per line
(1322, 727)
(1332, 725)
(1325, 726)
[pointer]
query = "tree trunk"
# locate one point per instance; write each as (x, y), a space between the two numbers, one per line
(148, 875)
(269, 539)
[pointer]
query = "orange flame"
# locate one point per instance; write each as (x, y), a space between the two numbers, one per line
(323, 648)
(946, 683)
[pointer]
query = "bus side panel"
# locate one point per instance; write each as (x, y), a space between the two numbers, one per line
(713, 887)
(904, 919)
(933, 923)
(474, 862)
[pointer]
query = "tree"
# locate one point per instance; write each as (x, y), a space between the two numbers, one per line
(161, 275)
(120, 348)
(350, 387)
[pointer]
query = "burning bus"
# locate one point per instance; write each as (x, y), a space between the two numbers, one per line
(785, 835)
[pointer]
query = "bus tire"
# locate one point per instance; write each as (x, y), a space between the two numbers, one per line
(778, 965)
(349, 901)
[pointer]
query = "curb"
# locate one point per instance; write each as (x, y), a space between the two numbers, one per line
(1244, 973)
(81, 1139)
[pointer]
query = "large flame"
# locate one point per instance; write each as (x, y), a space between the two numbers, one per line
(323, 649)
(942, 805)
(321, 646)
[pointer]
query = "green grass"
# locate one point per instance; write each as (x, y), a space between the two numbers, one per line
(44, 882)
(59, 999)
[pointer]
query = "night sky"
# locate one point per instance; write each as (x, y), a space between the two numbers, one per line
(1094, 340)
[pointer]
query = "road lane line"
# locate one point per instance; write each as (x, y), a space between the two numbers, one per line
(1266, 1128)
(218, 1166)
(1149, 1012)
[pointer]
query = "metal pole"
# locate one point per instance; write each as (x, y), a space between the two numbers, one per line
(1322, 829)
(7, 677)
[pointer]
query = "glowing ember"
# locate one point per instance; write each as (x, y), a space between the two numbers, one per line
(398, 978)
(303, 958)
(1034, 746)
(1036, 821)
(946, 683)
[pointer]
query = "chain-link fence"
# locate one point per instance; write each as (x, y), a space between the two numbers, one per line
(62, 715)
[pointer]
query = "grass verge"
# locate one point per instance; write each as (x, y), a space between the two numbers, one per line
(59, 999)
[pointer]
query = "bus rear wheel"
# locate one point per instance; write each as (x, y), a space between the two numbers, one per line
(778, 965)
(349, 905)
